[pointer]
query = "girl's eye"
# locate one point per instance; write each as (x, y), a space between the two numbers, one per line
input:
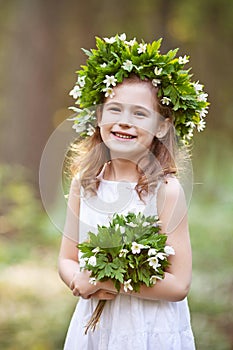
(140, 114)
(115, 109)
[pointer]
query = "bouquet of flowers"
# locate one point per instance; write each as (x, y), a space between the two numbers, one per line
(130, 252)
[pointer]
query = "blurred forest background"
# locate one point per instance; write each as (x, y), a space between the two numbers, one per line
(40, 43)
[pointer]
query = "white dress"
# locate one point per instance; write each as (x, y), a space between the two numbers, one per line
(126, 323)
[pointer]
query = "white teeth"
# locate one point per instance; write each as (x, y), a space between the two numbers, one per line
(123, 136)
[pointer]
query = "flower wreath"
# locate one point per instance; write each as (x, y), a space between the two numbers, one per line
(116, 58)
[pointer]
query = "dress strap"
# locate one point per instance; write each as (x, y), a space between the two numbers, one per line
(101, 173)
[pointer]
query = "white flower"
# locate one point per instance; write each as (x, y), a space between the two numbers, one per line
(158, 70)
(152, 251)
(202, 97)
(92, 261)
(142, 48)
(81, 81)
(110, 40)
(82, 262)
(131, 224)
(123, 252)
(201, 125)
(169, 250)
(75, 92)
(139, 68)
(198, 87)
(90, 130)
(136, 247)
(145, 224)
(156, 82)
(154, 279)
(131, 42)
(80, 123)
(78, 127)
(166, 101)
(159, 223)
(96, 250)
(93, 280)
(103, 65)
(127, 65)
(154, 262)
(109, 92)
(127, 285)
(122, 229)
(110, 80)
(122, 37)
(183, 60)
(161, 256)
(203, 112)
(189, 135)
(190, 124)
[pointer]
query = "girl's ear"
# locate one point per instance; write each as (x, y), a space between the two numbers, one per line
(163, 128)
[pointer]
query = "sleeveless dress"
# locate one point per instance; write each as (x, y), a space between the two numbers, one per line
(127, 322)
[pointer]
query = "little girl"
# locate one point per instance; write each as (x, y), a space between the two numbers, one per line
(143, 102)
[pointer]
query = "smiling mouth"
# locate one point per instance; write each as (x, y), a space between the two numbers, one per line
(123, 136)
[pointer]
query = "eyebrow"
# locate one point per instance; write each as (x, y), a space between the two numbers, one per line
(122, 104)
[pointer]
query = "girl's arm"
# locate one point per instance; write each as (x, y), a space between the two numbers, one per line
(68, 265)
(172, 212)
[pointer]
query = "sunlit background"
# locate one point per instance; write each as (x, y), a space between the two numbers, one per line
(40, 43)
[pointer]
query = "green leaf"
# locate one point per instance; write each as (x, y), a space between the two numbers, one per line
(119, 76)
(172, 54)
(87, 52)
(117, 285)
(119, 276)
(108, 270)
(93, 239)
(100, 44)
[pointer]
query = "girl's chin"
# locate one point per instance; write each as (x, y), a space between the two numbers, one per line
(121, 144)
(127, 150)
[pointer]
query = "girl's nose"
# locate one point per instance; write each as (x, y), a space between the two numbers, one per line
(125, 119)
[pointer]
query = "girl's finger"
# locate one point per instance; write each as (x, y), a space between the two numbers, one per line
(76, 292)
(71, 285)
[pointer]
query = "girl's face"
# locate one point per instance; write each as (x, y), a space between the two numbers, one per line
(129, 120)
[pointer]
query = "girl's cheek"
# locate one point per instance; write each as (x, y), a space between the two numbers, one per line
(107, 119)
(148, 127)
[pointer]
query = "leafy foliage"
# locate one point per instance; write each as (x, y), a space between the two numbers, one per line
(130, 251)
(118, 58)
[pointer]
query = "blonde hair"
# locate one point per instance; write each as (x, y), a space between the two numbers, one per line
(87, 157)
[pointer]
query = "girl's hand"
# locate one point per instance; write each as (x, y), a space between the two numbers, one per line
(81, 286)
(104, 295)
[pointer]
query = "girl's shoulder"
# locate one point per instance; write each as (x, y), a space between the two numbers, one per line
(170, 182)
(170, 189)
(171, 204)
(75, 184)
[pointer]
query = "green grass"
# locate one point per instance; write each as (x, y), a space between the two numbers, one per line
(211, 292)
(35, 305)
(210, 218)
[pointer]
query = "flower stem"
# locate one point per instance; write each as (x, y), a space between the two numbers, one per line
(95, 316)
